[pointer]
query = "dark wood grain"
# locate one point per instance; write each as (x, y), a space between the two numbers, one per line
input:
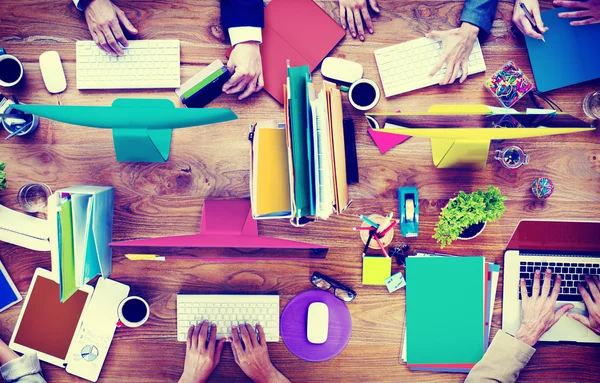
(212, 162)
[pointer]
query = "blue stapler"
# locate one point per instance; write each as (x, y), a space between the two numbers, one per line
(408, 205)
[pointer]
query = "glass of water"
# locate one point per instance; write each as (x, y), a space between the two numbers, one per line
(33, 198)
(591, 105)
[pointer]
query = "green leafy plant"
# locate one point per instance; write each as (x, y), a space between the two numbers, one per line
(2, 176)
(466, 210)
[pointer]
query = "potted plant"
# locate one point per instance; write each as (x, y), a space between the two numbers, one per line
(2, 176)
(465, 216)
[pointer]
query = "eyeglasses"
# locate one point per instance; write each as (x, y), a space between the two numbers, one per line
(323, 282)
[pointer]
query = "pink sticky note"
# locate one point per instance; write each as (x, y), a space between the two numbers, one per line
(386, 141)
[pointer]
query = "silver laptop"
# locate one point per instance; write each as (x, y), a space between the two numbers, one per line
(568, 248)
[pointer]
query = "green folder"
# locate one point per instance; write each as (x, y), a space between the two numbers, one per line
(445, 310)
(67, 260)
(299, 125)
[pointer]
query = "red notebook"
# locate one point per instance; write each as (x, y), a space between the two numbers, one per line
(295, 30)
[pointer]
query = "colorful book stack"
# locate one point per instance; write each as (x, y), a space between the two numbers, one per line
(449, 305)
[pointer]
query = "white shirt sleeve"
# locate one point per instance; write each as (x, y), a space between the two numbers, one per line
(243, 34)
(76, 2)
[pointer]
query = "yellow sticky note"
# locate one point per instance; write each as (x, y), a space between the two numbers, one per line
(376, 270)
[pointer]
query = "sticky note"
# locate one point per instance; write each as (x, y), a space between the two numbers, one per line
(395, 282)
(376, 270)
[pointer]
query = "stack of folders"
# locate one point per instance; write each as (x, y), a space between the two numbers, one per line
(299, 168)
(80, 220)
(449, 305)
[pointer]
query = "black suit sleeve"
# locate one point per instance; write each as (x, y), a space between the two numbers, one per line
(242, 13)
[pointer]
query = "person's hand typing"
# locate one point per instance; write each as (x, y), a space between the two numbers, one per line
(251, 354)
(537, 310)
(588, 11)
(104, 20)
(202, 353)
(353, 13)
(457, 45)
(245, 65)
(592, 303)
(522, 22)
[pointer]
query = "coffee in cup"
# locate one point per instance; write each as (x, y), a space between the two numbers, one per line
(133, 312)
(11, 69)
(363, 94)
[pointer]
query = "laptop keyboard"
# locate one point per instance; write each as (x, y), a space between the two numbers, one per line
(571, 273)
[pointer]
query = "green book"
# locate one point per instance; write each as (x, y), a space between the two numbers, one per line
(445, 313)
(67, 265)
(298, 130)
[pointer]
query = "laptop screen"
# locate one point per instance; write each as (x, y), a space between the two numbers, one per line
(559, 236)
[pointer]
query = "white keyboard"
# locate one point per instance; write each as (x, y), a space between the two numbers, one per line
(228, 310)
(405, 67)
(146, 64)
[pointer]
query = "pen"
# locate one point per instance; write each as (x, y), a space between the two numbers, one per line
(367, 220)
(381, 246)
(368, 242)
(531, 20)
(384, 232)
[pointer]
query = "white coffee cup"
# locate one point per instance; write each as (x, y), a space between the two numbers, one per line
(15, 73)
(364, 94)
(133, 316)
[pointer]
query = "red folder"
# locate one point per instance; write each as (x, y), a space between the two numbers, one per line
(295, 30)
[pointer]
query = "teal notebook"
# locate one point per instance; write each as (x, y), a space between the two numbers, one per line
(445, 313)
(569, 56)
(299, 125)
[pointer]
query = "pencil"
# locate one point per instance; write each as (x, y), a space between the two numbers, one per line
(368, 242)
(367, 220)
(384, 232)
(385, 223)
(363, 228)
(381, 246)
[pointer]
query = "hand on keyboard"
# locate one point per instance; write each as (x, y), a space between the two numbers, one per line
(353, 13)
(104, 21)
(592, 303)
(202, 353)
(457, 45)
(245, 65)
(537, 310)
(250, 352)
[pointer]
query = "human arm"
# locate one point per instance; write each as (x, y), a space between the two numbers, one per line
(24, 369)
(202, 353)
(523, 23)
(588, 12)
(354, 12)
(507, 356)
(251, 354)
(104, 20)
(457, 44)
(243, 20)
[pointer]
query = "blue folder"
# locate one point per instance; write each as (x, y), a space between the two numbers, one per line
(569, 56)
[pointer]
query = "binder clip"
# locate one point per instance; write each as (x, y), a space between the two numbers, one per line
(408, 205)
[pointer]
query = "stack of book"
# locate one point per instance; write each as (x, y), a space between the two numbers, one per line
(298, 169)
(449, 305)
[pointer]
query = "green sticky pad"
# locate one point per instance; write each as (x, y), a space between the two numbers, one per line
(376, 270)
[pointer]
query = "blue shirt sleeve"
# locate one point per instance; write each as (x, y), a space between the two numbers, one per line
(25, 369)
(480, 13)
(242, 13)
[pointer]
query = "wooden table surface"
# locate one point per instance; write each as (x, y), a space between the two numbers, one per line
(212, 162)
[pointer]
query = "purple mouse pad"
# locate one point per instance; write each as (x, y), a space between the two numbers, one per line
(294, 320)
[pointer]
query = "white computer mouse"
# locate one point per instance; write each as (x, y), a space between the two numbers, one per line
(339, 69)
(317, 326)
(52, 72)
